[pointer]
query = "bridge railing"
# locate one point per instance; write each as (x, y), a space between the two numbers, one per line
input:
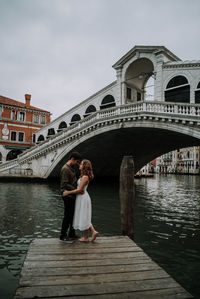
(157, 108)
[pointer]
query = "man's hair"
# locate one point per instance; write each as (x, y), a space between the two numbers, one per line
(75, 155)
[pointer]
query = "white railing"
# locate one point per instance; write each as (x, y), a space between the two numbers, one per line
(152, 108)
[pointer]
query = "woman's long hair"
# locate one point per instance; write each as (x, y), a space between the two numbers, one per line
(87, 169)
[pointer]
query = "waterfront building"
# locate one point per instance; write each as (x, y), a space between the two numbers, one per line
(146, 170)
(18, 123)
(181, 161)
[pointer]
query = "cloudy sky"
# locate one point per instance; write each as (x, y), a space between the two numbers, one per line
(62, 51)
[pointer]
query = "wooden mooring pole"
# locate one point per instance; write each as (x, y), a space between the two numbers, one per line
(127, 195)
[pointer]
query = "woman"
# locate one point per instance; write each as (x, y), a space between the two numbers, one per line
(82, 213)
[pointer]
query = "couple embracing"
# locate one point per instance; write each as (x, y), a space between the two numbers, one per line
(77, 202)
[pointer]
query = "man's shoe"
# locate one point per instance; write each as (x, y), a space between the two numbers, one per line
(63, 238)
(73, 237)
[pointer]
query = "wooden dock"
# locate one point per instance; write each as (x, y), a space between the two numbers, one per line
(110, 267)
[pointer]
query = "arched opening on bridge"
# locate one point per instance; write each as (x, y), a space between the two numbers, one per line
(108, 102)
(51, 132)
(90, 110)
(62, 126)
(75, 118)
(149, 89)
(40, 138)
(13, 154)
(178, 90)
(197, 94)
(139, 78)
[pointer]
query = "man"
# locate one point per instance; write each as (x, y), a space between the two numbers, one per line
(69, 182)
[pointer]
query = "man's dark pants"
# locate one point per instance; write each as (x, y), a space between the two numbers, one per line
(69, 204)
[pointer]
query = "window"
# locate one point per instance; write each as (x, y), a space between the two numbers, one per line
(21, 137)
(21, 116)
(90, 109)
(139, 96)
(197, 94)
(13, 114)
(42, 119)
(128, 93)
(108, 102)
(178, 90)
(51, 132)
(1, 110)
(36, 118)
(75, 118)
(13, 135)
(62, 125)
(40, 138)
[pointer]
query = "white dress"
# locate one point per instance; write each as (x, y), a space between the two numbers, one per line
(83, 210)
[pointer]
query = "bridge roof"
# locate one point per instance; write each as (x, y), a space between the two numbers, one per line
(145, 49)
(183, 63)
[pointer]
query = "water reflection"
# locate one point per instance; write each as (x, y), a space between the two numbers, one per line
(166, 223)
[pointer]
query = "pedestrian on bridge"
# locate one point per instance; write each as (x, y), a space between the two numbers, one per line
(83, 209)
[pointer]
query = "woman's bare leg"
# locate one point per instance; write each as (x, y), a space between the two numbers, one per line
(94, 233)
(85, 237)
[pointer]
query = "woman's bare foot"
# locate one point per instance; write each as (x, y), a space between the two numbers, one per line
(94, 235)
(83, 239)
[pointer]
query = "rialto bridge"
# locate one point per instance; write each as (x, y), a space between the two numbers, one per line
(121, 120)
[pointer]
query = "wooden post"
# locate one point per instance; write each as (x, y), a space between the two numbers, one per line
(127, 194)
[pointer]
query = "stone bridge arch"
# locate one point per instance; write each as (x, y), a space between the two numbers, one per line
(144, 140)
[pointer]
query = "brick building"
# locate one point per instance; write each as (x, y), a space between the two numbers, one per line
(18, 124)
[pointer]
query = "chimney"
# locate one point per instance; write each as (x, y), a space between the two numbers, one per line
(27, 99)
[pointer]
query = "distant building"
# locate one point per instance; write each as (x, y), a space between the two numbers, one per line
(146, 170)
(18, 124)
(185, 161)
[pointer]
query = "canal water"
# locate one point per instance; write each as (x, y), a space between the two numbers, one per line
(166, 223)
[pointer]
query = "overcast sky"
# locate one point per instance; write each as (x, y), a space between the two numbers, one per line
(62, 51)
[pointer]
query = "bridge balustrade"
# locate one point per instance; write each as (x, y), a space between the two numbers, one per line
(84, 125)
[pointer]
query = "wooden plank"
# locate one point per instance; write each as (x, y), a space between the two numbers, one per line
(84, 263)
(94, 278)
(75, 250)
(94, 289)
(54, 269)
(173, 293)
(82, 256)
(104, 240)
(42, 271)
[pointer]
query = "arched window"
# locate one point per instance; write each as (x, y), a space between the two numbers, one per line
(62, 126)
(89, 110)
(107, 102)
(13, 154)
(75, 118)
(51, 132)
(40, 138)
(197, 94)
(178, 90)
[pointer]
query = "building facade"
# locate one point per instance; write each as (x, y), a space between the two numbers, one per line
(181, 161)
(18, 125)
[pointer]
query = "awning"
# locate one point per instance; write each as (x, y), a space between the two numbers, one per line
(12, 147)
